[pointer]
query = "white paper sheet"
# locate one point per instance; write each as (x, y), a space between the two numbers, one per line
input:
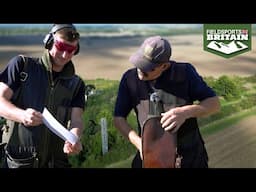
(57, 128)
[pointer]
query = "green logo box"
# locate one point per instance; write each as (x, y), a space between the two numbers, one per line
(227, 40)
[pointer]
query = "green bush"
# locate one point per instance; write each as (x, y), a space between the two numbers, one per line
(227, 87)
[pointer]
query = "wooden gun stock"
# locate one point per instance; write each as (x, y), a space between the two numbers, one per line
(158, 146)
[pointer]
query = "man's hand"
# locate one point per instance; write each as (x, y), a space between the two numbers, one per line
(173, 119)
(72, 149)
(32, 117)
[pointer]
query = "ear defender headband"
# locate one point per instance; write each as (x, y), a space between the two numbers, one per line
(49, 39)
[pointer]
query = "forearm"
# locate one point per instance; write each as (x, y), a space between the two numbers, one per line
(127, 131)
(10, 111)
(76, 123)
(205, 108)
(7, 109)
(77, 128)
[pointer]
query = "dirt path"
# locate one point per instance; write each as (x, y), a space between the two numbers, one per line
(234, 147)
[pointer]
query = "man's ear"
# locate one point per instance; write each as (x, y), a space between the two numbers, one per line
(165, 66)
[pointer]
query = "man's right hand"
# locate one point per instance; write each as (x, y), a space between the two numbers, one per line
(32, 117)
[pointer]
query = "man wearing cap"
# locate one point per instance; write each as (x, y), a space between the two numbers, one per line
(179, 86)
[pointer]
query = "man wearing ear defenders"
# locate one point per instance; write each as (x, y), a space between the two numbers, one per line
(176, 86)
(27, 86)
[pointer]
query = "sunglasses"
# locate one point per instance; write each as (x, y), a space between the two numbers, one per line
(64, 47)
